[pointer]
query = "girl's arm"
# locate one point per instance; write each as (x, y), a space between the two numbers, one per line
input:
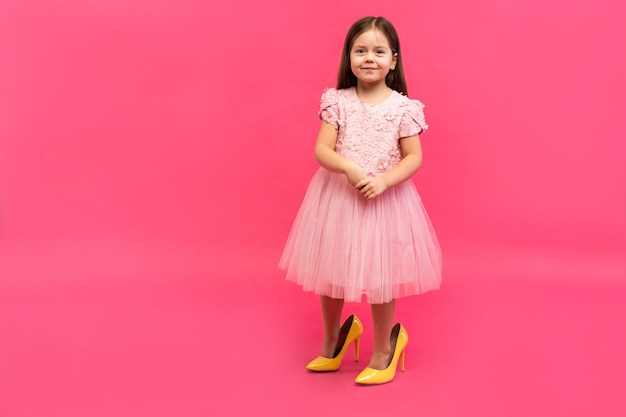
(411, 148)
(327, 157)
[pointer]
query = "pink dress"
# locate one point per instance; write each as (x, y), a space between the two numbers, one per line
(344, 246)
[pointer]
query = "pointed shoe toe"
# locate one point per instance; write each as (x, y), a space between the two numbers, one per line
(371, 376)
(322, 364)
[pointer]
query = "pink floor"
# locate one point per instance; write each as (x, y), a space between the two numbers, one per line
(113, 333)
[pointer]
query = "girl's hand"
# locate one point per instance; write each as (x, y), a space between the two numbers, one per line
(355, 174)
(371, 187)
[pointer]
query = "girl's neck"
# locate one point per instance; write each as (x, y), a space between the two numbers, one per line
(373, 94)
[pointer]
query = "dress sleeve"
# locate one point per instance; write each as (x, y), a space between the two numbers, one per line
(329, 107)
(412, 120)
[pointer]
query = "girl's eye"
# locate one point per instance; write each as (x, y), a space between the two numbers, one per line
(380, 51)
(359, 51)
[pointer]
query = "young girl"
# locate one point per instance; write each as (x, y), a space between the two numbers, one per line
(362, 229)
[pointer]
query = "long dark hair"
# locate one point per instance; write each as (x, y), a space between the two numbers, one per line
(395, 79)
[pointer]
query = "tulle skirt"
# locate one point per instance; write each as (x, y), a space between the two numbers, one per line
(344, 246)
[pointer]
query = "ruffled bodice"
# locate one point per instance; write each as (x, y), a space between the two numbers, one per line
(369, 134)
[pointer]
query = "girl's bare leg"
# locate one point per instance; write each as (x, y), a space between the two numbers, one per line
(331, 314)
(383, 318)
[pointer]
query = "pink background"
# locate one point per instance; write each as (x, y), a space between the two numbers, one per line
(164, 147)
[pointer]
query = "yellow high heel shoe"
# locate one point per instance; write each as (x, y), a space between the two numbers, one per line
(370, 376)
(352, 329)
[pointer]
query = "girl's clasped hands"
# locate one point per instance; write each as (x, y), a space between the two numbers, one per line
(369, 186)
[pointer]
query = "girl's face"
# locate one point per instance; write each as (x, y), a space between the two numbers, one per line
(371, 57)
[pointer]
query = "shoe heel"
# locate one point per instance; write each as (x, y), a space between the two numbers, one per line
(402, 360)
(357, 341)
